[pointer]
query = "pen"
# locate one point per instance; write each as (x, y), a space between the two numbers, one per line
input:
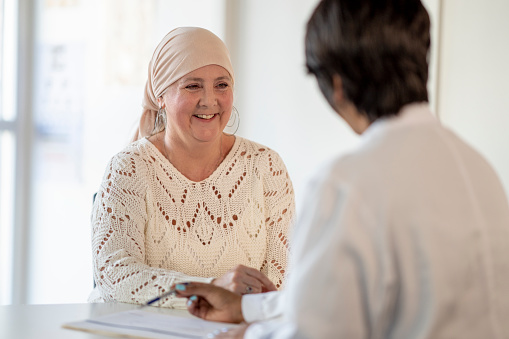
(164, 295)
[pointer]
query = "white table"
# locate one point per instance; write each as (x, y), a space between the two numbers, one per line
(45, 321)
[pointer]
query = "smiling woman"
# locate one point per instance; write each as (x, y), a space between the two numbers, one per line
(185, 201)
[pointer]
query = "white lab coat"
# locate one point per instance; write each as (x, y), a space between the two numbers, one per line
(406, 237)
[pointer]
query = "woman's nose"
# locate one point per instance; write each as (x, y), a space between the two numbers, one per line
(208, 98)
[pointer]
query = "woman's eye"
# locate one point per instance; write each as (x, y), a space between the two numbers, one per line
(192, 87)
(223, 85)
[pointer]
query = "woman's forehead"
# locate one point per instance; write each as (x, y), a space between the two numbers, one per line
(209, 72)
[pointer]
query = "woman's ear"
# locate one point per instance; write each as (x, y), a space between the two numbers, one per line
(338, 96)
(346, 109)
(160, 102)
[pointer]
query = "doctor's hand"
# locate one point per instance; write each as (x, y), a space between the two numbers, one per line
(244, 280)
(210, 302)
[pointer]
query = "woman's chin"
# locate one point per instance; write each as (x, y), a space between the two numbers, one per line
(208, 135)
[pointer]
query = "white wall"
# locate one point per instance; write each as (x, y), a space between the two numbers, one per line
(473, 87)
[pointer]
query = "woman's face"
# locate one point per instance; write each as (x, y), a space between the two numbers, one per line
(199, 105)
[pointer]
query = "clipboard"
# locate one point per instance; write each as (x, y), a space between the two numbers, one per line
(143, 324)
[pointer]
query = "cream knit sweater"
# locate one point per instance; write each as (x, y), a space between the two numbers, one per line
(152, 227)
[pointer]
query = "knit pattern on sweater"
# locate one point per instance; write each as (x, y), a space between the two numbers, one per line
(153, 227)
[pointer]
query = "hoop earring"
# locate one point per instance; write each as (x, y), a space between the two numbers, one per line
(160, 122)
(236, 119)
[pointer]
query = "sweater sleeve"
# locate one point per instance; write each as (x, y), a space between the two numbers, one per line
(119, 218)
(280, 212)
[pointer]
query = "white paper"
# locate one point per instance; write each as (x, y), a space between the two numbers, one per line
(144, 324)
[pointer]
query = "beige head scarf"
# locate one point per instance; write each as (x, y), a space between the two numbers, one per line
(181, 51)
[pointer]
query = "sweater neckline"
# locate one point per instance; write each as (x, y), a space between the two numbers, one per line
(217, 171)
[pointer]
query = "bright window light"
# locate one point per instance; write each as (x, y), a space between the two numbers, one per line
(8, 60)
(7, 162)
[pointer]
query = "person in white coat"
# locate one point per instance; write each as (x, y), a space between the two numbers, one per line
(405, 237)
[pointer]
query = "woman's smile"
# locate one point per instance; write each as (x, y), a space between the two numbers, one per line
(205, 116)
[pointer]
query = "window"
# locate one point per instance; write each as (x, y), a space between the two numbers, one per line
(7, 144)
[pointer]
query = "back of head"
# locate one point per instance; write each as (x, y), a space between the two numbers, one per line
(378, 48)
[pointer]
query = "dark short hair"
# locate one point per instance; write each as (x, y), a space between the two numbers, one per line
(379, 48)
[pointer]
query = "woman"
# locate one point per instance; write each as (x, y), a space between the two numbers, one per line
(187, 202)
(406, 236)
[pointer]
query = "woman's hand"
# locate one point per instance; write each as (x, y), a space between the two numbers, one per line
(210, 302)
(243, 280)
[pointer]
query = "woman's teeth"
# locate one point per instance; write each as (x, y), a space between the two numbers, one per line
(205, 116)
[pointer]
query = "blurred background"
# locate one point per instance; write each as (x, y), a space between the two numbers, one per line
(72, 74)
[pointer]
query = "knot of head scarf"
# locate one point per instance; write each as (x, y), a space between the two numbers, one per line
(181, 51)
